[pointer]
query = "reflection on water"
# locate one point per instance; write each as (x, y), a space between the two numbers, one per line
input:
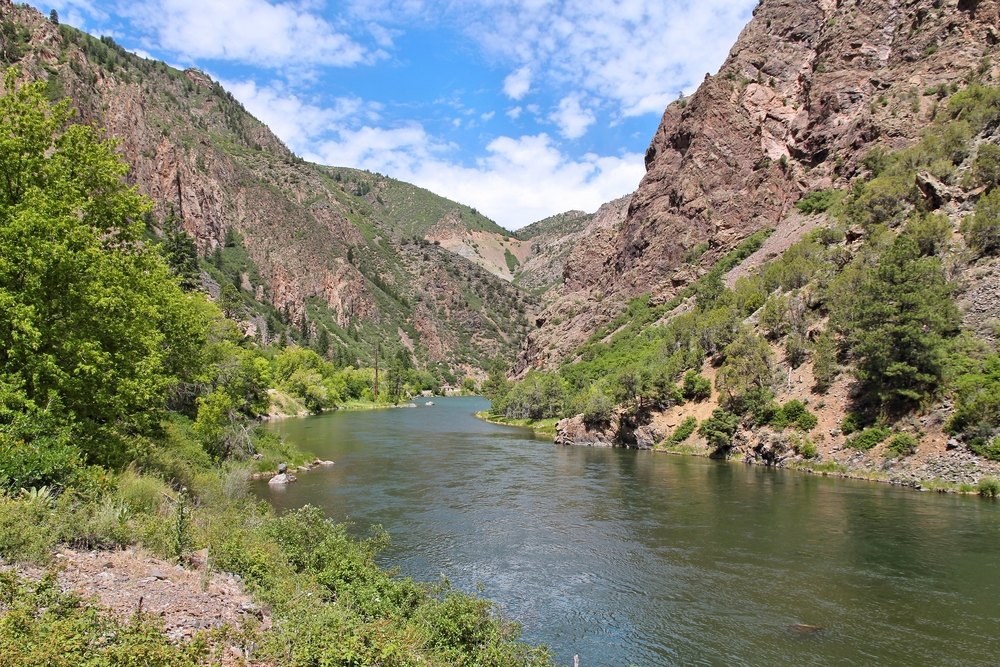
(630, 557)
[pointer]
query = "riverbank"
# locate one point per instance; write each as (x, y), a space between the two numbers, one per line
(542, 427)
(172, 561)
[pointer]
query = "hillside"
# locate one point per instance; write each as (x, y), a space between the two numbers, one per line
(807, 274)
(312, 249)
(807, 91)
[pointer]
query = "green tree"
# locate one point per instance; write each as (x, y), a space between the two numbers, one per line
(982, 231)
(748, 368)
(180, 252)
(91, 319)
(987, 165)
(230, 301)
(899, 318)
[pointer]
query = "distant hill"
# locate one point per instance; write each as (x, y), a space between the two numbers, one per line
(310, 247)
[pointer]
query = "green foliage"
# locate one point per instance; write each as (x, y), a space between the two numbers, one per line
(684, 431)
(825, 367)
(869, 437)
(512, 261)
(977, 399)
(35, 447)
(852, 423)
(537, 396)
(982, 230)
(796, 350)
(41, 625)
(95, 326)
(598, 408)
(931, 232)
(987, 166)
(819, 202)
(896, 320)
(720, 428)
(696, 386)
(792, 413)
(989, 487)
(902, 444)
(748, 368)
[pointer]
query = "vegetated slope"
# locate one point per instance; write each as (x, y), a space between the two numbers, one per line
(322, 246)
(807, 90)
(856, 333)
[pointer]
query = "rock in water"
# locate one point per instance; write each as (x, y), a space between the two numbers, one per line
(281, 479)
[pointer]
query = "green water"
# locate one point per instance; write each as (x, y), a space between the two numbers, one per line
(628, 557)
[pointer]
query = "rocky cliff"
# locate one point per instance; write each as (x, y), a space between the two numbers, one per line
(809, 88)
(348, 251)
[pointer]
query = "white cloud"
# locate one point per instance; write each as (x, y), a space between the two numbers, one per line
(572, 119)
(246, 31)
(637, 53)
(521, 180)
(295, 121)
(517, 84)
(515, 113)
(488, 116)
(518, 181)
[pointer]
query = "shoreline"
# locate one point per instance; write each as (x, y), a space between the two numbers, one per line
(540, 428)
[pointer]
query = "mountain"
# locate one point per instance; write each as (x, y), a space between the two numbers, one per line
(311, 248)
(808, 90)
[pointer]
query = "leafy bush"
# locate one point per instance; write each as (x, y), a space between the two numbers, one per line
(982, 230)
(987, 166)
(897, 319)
(793, 413)
(537, 396)
(869, 438)
(598, 408)
(805, 448)
(720, 428)
(825, 367)
(42, 625)
(747, 369)
(852, 423)
(684, 431)
(902, 444)
(696, 386)
(930, 231)
(989, 487)
(819, 202)
(988, 448)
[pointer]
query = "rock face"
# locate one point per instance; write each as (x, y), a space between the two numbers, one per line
(807, 90)
(350, 242)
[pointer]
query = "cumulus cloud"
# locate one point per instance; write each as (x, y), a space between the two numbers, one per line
(518, 181)
(515, 113)
(517, 84)
(638, 53)
(247, 31)
(572, 119)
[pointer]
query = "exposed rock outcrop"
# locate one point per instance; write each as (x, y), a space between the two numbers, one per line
(807, 90)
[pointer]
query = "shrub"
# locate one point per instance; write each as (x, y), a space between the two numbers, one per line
(988, 448)
(796, 350)
(696, 386)
(807, 422)
(825, 367)
(869, 438)
(931, 232)
(720, 428)
(819, 202)
(982, 230)
(989, 487)
(851, 423)
(987, 166)
(598, 408)
(684, 431)
(902, 444)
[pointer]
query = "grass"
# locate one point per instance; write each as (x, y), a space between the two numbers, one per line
(330, 600)
(540, 426)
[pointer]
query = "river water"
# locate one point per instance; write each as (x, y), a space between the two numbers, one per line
(634, 558)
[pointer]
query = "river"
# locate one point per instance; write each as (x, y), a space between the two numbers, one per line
(636, 558)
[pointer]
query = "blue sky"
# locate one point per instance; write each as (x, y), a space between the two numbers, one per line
(521, 108)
